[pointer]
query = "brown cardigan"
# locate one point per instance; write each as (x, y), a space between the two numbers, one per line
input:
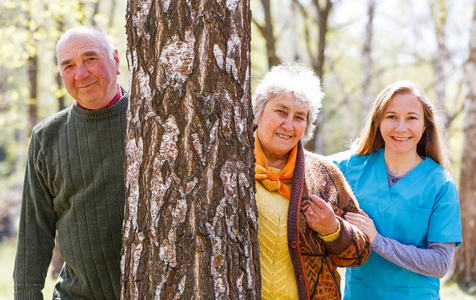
(315, 261)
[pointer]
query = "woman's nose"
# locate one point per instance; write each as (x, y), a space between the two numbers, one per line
(287, 123)
(401, 126)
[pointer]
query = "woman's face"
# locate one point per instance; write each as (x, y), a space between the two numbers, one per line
(403, 125)
(280, 126)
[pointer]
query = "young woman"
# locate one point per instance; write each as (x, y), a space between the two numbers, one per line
(402, 179)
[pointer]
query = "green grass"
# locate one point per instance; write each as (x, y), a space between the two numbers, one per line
(449, 291)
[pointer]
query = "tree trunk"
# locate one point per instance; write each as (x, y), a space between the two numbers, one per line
(268, 34)
(439, 12)
(33, 101)
(58, 78)
(294, 30)
(367, 92)
(465, 259)
(190, 225)
(322, 20)
(112, 13)
(32, 65)
(316, 143)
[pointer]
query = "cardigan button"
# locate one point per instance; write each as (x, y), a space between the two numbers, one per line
(301, 277)
(294, 244)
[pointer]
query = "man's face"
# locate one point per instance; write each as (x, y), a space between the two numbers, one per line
(89, 72)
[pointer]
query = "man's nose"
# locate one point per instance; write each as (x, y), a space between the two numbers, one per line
(81, 72)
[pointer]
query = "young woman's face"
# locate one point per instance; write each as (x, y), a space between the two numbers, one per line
(403, 125)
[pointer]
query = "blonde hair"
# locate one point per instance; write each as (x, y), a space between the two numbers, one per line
(432, 143)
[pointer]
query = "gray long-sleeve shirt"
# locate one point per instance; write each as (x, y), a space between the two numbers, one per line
(434, 260)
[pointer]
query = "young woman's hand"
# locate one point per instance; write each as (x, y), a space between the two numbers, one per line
(363, 222)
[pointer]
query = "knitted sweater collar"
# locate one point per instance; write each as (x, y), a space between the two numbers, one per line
(119, 106)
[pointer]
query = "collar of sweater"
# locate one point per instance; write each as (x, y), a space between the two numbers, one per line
(118, 107)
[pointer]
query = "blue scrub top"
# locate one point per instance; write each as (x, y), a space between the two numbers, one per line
(422, 207)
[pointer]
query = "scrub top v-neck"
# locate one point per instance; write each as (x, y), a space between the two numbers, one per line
(423, 206)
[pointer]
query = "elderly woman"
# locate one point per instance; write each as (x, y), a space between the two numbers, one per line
(301, 197)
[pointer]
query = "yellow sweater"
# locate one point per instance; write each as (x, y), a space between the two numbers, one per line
(277, 270)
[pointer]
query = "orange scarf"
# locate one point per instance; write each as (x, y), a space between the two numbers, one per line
(269, 179)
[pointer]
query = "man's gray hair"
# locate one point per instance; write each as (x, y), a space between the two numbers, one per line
(86, 31)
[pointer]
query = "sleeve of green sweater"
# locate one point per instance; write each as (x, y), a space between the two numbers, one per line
(36, 236)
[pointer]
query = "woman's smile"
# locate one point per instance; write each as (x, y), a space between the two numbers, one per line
(280, 127)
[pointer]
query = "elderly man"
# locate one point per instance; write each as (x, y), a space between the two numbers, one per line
(74, 179)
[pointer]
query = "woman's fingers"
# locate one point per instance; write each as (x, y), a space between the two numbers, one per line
(363, 222)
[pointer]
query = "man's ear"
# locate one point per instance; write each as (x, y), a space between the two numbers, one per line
(115, 55)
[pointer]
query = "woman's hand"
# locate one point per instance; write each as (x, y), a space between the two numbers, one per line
(320, 217)
(364, 223)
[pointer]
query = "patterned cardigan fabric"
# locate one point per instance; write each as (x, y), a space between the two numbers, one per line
(315, 261)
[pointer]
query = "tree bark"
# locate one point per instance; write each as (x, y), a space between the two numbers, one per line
(190, 227)
(465, 259)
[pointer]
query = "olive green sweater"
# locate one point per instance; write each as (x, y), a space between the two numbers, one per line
(74, 183)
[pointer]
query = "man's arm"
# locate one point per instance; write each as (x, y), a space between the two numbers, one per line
(36, 236)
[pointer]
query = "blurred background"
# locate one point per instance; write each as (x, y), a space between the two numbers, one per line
(357, 47)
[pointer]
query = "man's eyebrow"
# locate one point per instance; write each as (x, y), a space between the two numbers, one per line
(65, 62)
(90, 53)
(85, 54)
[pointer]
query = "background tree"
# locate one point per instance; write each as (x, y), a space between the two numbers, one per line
(267, 31)
(190, 226)
(465, 259)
